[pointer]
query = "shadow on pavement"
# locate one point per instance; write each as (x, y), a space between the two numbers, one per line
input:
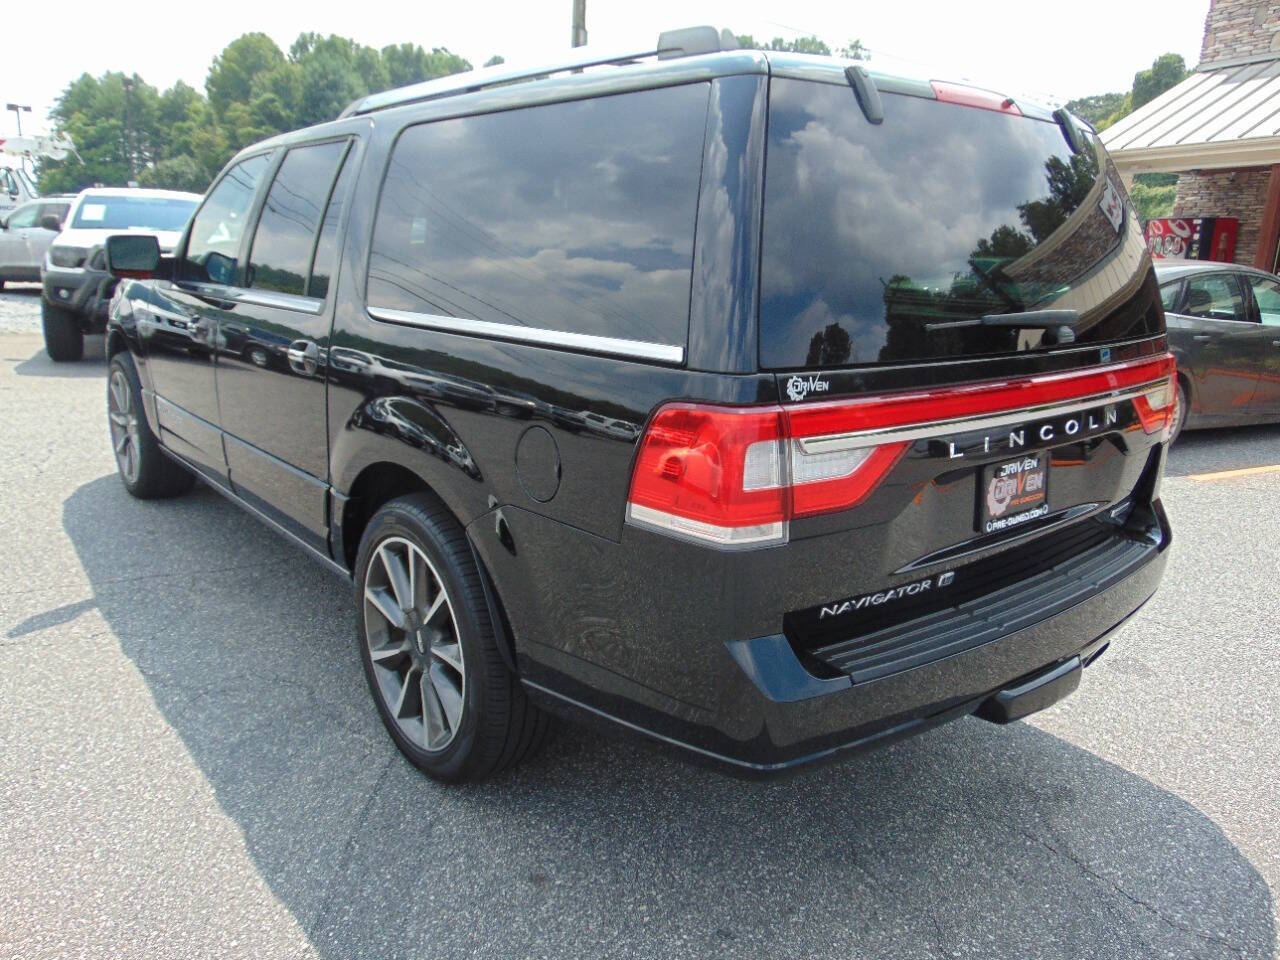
(94, 363)
(971, 840)
(1229, 448)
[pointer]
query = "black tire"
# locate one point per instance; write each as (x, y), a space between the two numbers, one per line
(63, 338)
(146, 472)
(497, 726)
(1179, 414)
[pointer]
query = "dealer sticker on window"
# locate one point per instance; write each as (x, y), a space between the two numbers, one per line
(1014, 492)
(1112, 205)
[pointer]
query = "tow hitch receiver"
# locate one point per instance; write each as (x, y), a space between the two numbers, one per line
(1034, 693)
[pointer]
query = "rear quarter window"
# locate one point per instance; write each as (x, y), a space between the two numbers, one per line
(886, 243)
(573, 217)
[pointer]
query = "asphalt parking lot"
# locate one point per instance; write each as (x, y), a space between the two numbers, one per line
(190, 765)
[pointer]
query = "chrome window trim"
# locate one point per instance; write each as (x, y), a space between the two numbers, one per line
(871, 438)
(285, 301)
(538, 336)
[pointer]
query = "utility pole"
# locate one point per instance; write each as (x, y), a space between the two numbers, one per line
(19, 109)
(128, 148)
(579, 23)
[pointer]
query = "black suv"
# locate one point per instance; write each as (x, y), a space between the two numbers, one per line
(753, 402)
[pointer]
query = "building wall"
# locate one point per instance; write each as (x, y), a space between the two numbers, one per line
(1240, 28)
(1227, 193)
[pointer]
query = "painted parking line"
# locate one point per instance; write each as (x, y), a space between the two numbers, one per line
(1230, 474)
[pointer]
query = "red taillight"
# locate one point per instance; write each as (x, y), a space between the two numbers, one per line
(967, 96)
(735, 476)
(1155, 407)
(712, 473)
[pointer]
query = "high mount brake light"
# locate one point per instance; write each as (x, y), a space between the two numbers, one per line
(735, 477)
(966, 96)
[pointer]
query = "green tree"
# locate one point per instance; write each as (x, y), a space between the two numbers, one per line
(1096, 108)
(494, 61)
(1104, 109)
(231, 76)
(809, 44)
(1166, 72)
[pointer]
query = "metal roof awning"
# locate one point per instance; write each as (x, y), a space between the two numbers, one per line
(1223, 115)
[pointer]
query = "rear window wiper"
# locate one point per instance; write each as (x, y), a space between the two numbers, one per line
(1060, 323)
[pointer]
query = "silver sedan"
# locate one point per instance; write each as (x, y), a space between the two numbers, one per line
(24, 238)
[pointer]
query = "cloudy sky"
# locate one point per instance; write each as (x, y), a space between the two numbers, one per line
(1047, 50)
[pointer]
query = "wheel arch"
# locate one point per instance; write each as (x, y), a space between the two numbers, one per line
(116, 342)
(376, 485)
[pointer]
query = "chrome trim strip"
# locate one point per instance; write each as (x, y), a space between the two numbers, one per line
(708, 534)
(871, 438)
(637, 349)
(285, 301)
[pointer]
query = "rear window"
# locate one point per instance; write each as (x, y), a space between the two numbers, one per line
(98, 212)
(886, 243)
(573, 217)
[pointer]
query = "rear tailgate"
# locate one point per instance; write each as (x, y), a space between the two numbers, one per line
(966, 333)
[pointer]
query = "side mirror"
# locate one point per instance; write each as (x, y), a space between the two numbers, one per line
(50, 222)
(133, 256)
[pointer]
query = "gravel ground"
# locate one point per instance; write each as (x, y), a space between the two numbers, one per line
(190, 765)
(20, 308)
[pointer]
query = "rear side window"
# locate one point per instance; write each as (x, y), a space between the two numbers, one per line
(213, 249)
(1215, 297)
(1267, 294)
(888, 243)
(572, 217)
(285, 239)
(58, 210)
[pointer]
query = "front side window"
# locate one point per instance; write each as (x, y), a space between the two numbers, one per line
(286, 234)
(1169, 294)
(572, 217)
(1216, 297)
(326, 258)
(24, 216)
(213, 250)
(1267, 294)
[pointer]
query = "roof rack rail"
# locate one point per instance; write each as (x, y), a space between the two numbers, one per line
(686, 42)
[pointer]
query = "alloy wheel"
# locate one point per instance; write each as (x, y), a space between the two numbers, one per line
(414, 644)
(124, 425)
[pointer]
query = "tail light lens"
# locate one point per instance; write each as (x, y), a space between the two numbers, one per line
(713, 474)
(1155, 407)
(735, 476)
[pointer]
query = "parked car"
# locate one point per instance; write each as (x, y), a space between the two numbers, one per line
(77, 287)
(1224, 329)
(810, 459)
(25, 235)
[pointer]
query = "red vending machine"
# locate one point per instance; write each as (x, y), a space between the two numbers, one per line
(1193, 238)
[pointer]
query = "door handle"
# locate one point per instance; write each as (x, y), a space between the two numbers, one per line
(1201, 337)
(304, 357)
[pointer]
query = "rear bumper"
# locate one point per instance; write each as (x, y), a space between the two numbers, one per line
(770, 714)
